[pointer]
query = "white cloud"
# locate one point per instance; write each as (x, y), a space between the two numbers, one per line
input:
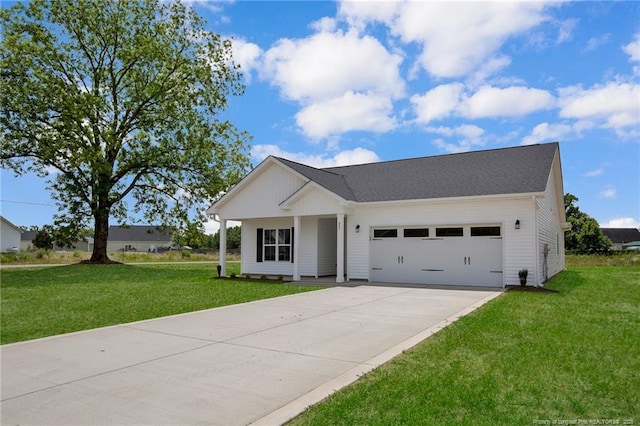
(470, 137)
(633, 49)
(609, 192)
(512, 101)
(594, 42)
(594, 173)
(438, 102)
(545, 132)
(455, 37)
(621, 222)
(352, 111)
(343, 158)
(327, 65)
(614, 105)
(247, 55)
(487, 102)
(342, 81)
(325, 24)
(566, 30)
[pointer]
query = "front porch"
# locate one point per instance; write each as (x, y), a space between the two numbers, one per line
(297, 246)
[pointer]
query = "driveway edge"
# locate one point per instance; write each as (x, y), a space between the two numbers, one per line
(299, 405)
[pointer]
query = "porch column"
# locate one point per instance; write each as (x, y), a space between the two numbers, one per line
(296, 248)
(340, 248)
(223, 247)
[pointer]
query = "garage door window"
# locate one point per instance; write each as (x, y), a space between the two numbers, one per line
(485, 231)
(416, 232)
(385, 233)
(449, 232)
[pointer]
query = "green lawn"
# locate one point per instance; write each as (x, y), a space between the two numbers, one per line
(523, 358)
(39, 302)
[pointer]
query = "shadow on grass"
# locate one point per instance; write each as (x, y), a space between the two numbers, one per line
(566, 282)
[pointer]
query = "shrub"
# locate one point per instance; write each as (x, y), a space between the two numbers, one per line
(233, 275)
(247, 276)
(41, 253)
(186, 254)
(263, 277)
(280, 277)
(76, 253)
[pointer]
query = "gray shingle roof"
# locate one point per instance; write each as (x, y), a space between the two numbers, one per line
(622, 235)
(139, 233)
(517, 170)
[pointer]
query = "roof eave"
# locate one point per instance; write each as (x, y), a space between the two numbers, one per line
(525, 195)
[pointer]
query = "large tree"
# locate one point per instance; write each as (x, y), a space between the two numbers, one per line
(585, 236)
(118, 102)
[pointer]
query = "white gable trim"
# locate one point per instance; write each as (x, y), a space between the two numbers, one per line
(309, 186)
(250, 177)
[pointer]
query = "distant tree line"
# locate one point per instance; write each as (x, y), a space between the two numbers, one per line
(585, 236)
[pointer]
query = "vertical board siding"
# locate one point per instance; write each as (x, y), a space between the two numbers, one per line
(263, 195)
(308, 246)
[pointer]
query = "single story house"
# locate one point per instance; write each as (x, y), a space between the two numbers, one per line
(474, 218)
(26, 243)
(621, 238)
(141, 238)
(9, 236)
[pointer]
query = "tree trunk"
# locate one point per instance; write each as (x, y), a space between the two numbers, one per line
(100, 238)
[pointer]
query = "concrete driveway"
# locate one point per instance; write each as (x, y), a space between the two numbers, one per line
(261, 362)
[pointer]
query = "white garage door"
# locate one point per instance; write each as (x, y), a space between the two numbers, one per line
(457, 255)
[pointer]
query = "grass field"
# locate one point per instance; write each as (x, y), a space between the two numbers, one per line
(39, 302)
(524, 358)
(47, 257)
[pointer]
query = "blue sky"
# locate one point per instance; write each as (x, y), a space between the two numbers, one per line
(336, 83)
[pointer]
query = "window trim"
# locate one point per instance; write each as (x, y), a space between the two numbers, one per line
(276, 244)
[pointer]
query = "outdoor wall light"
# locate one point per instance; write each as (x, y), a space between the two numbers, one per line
(518, 224)
(357, 228)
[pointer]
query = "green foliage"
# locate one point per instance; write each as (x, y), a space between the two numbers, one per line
(185, 254)
(123, 100)
(190, 234)
(43, 240)
(234, 238)
(41, 253)
(585, 236)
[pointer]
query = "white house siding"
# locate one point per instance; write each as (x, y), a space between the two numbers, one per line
(9, 237)
(549, 230)
(263, 194)
(517, 244)
(249, 264)
(327, 250)
(308, 247)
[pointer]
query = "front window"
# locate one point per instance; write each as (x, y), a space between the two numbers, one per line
(277, 245)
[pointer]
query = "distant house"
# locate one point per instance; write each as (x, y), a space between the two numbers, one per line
(9, 236)
(139, 238)
(621, 237)
(27, 237)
